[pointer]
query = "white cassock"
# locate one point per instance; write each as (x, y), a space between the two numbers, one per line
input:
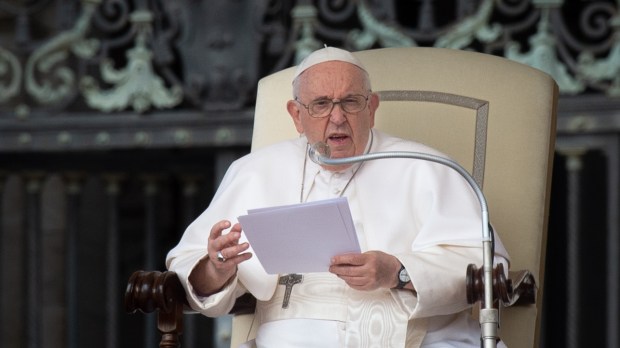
(423, 213)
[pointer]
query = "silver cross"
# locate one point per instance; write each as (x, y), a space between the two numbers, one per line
(289, 280)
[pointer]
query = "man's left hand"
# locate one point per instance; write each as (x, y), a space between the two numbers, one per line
(368, 271)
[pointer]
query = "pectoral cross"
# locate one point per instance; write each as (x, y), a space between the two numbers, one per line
(289, 280)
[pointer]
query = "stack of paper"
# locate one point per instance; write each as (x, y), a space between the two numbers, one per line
(301, 238)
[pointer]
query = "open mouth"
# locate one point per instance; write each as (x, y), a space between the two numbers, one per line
(337, 139)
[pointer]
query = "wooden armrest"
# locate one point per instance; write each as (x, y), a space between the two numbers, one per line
(517, 290)
(151, 291)
(162, 292)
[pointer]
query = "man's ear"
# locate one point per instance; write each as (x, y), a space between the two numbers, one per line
(373, 105)
(293, 109)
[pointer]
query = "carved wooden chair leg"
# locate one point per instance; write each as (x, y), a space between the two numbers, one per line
(171, 327)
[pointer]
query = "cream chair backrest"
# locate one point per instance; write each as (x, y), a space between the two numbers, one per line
(496, 117)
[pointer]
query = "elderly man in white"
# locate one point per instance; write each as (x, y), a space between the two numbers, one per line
(418, 224)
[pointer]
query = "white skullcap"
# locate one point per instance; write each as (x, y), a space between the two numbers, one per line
(327, 54)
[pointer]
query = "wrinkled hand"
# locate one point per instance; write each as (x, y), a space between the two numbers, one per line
(368, 271)
(212, 274)
(228, 245)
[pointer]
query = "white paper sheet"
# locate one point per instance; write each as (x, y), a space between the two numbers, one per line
(301, 238)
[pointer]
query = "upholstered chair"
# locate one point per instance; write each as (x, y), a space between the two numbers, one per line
(494, 116)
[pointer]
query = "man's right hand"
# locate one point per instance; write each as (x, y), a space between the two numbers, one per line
(212, 274)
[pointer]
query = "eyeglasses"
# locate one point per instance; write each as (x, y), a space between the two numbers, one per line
(323, 107)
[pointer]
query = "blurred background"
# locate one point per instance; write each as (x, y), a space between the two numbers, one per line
(119, 117)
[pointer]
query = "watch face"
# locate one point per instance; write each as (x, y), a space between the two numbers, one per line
(403, 276)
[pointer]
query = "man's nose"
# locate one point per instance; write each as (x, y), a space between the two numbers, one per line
(337, 116)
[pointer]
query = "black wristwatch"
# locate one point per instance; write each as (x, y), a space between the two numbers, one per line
(403, 277)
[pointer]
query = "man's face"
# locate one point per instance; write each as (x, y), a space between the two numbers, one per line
(345, 133)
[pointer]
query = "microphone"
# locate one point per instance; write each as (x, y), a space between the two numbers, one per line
(489, 316)
(318, 152)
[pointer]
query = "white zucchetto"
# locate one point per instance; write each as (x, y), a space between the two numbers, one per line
(327, 54)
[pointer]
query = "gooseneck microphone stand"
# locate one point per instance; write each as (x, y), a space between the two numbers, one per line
(489, 316)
